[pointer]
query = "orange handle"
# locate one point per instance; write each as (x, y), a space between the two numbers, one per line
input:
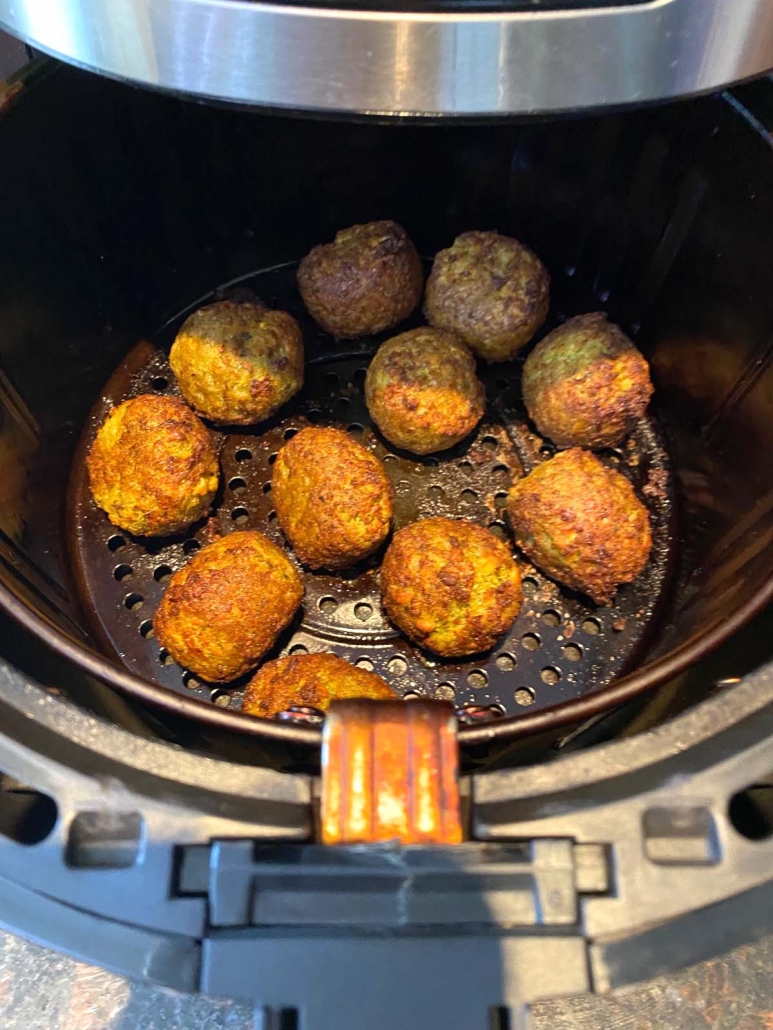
(390, 773)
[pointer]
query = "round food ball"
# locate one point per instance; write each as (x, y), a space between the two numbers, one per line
(489, 290)
(310, 679)
(585, 384)
(450, 586)
(153, 466)
(332, 498)
(226, 607)
(368, 279)
(238, 362)
(581, 523)
(422, 391)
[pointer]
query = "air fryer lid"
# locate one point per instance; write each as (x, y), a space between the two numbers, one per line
(128, 211)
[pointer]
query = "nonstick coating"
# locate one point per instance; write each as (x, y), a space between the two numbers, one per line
(560, 647)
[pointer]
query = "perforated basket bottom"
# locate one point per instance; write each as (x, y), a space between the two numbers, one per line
(560, 646)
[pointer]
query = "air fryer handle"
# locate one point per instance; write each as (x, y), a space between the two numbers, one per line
(390, 773)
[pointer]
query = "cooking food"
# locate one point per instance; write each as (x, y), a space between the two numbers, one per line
(238, 362)
(489, 290)
(581, 523)
(310, 679)
(368, 279)
(450, 586)
(586, 384)
(422, 391)
(153, 466)
(332, 498)
(226, 607)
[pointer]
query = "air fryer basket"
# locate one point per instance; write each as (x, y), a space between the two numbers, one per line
(123, 209)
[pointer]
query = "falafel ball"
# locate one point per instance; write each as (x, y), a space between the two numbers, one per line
(368, 279)
(491, 291)
(586, 384)
(310, 679)
(153, 466)
(581, 523)
(332, 498)
(450, 585)
(226, 607)
(238, 362)
(422, 391)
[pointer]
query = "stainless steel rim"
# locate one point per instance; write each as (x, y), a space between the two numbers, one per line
(285, 56)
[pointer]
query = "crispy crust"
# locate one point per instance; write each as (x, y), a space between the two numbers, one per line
(224, 610)
(491, 291)
(368, 279)
(581, 523)
(586, 384)
(332, 497)
(422, 391)
(450, 586)
(238, 363)
(310, 679)
(153, 466)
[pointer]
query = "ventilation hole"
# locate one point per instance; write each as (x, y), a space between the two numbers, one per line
(330, 380)
(327, 605)
(430, 461)
(551, 617)
(191, 546)
(363, 611)
(465, 466)
(592, 627)
(133, 602)
(365, 663)
(468, 496)
(500, 472)
(359, 375)
(27, 816)
(546, 452)
(164, 658)
(266, 488)
(122, 572)
(614, 458)
(272, 516)
(116, 543)
(355, 429)
(162, 574)
(437, 493)
(272, 458)
(397, 666)
(160, 383)
(146, 630)
(500, 498)
(550, 675)
(489, 443)
(403, 487)
(220, 698)
(190, 681)
(243, 454)
(298, 649)
(343, 404)
(505, 662)
(411, 696)
(751, 812)
(531, 641)
(529, 585)
(445, 692)
(290, 433)
(314, 416)
(572, 652)
(239, 515)
(498, 529)
(237, 485)
(524, 696)
(389, 459)
(477, 679)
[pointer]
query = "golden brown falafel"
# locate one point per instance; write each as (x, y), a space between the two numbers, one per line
(422, 391)
(310, 679)
(586, 384)
(450, 586)
(581, 523)
(238, 362)
(153, 466)
(332, 498)
(226, 607)
(491, 291)
(368, 279)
